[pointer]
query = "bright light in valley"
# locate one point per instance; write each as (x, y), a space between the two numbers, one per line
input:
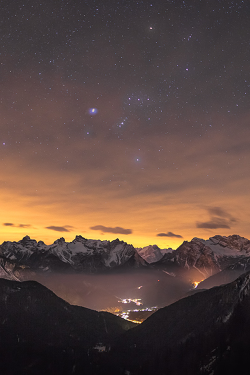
(196, 283)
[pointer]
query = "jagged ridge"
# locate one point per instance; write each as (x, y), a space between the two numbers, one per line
(205, 257)
(80, 254)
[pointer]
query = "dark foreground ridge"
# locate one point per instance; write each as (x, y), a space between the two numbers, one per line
(42, 334)
(206, 333)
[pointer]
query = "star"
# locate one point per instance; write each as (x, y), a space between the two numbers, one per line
(93, 111)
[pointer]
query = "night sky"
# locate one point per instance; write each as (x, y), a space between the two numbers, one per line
(125, 119)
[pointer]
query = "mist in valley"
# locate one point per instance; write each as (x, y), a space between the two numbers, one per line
(117, 291)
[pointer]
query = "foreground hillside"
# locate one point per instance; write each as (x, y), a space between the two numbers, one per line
(42, 334)
(207, 333)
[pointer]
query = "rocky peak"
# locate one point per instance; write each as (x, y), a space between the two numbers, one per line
(28, 242)
(79, 238)
(190, 252)
(60, 241)
(117, 242)
(235, 241)
(26, 238)
(151, 253)
(41, 243)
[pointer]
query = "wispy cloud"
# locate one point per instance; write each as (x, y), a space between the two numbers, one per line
(220, 212)
(214, 223)
(16, 225)
(219, 218)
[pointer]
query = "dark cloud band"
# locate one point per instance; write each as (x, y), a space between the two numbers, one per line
(169, 234)
(116, 230)
(58, 229)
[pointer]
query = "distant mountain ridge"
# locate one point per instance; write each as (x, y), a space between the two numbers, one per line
(80, 255)
(203, 257)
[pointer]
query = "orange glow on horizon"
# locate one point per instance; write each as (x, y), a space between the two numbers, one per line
(38, 192)
(28, 215)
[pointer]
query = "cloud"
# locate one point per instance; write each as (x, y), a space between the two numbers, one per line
(218, 211)
(116, 230)
(59, 229)
(219, 218)
(16, 226)
(169, 234)
(214, 223)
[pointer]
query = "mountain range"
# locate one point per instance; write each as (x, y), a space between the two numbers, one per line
(198, 258)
